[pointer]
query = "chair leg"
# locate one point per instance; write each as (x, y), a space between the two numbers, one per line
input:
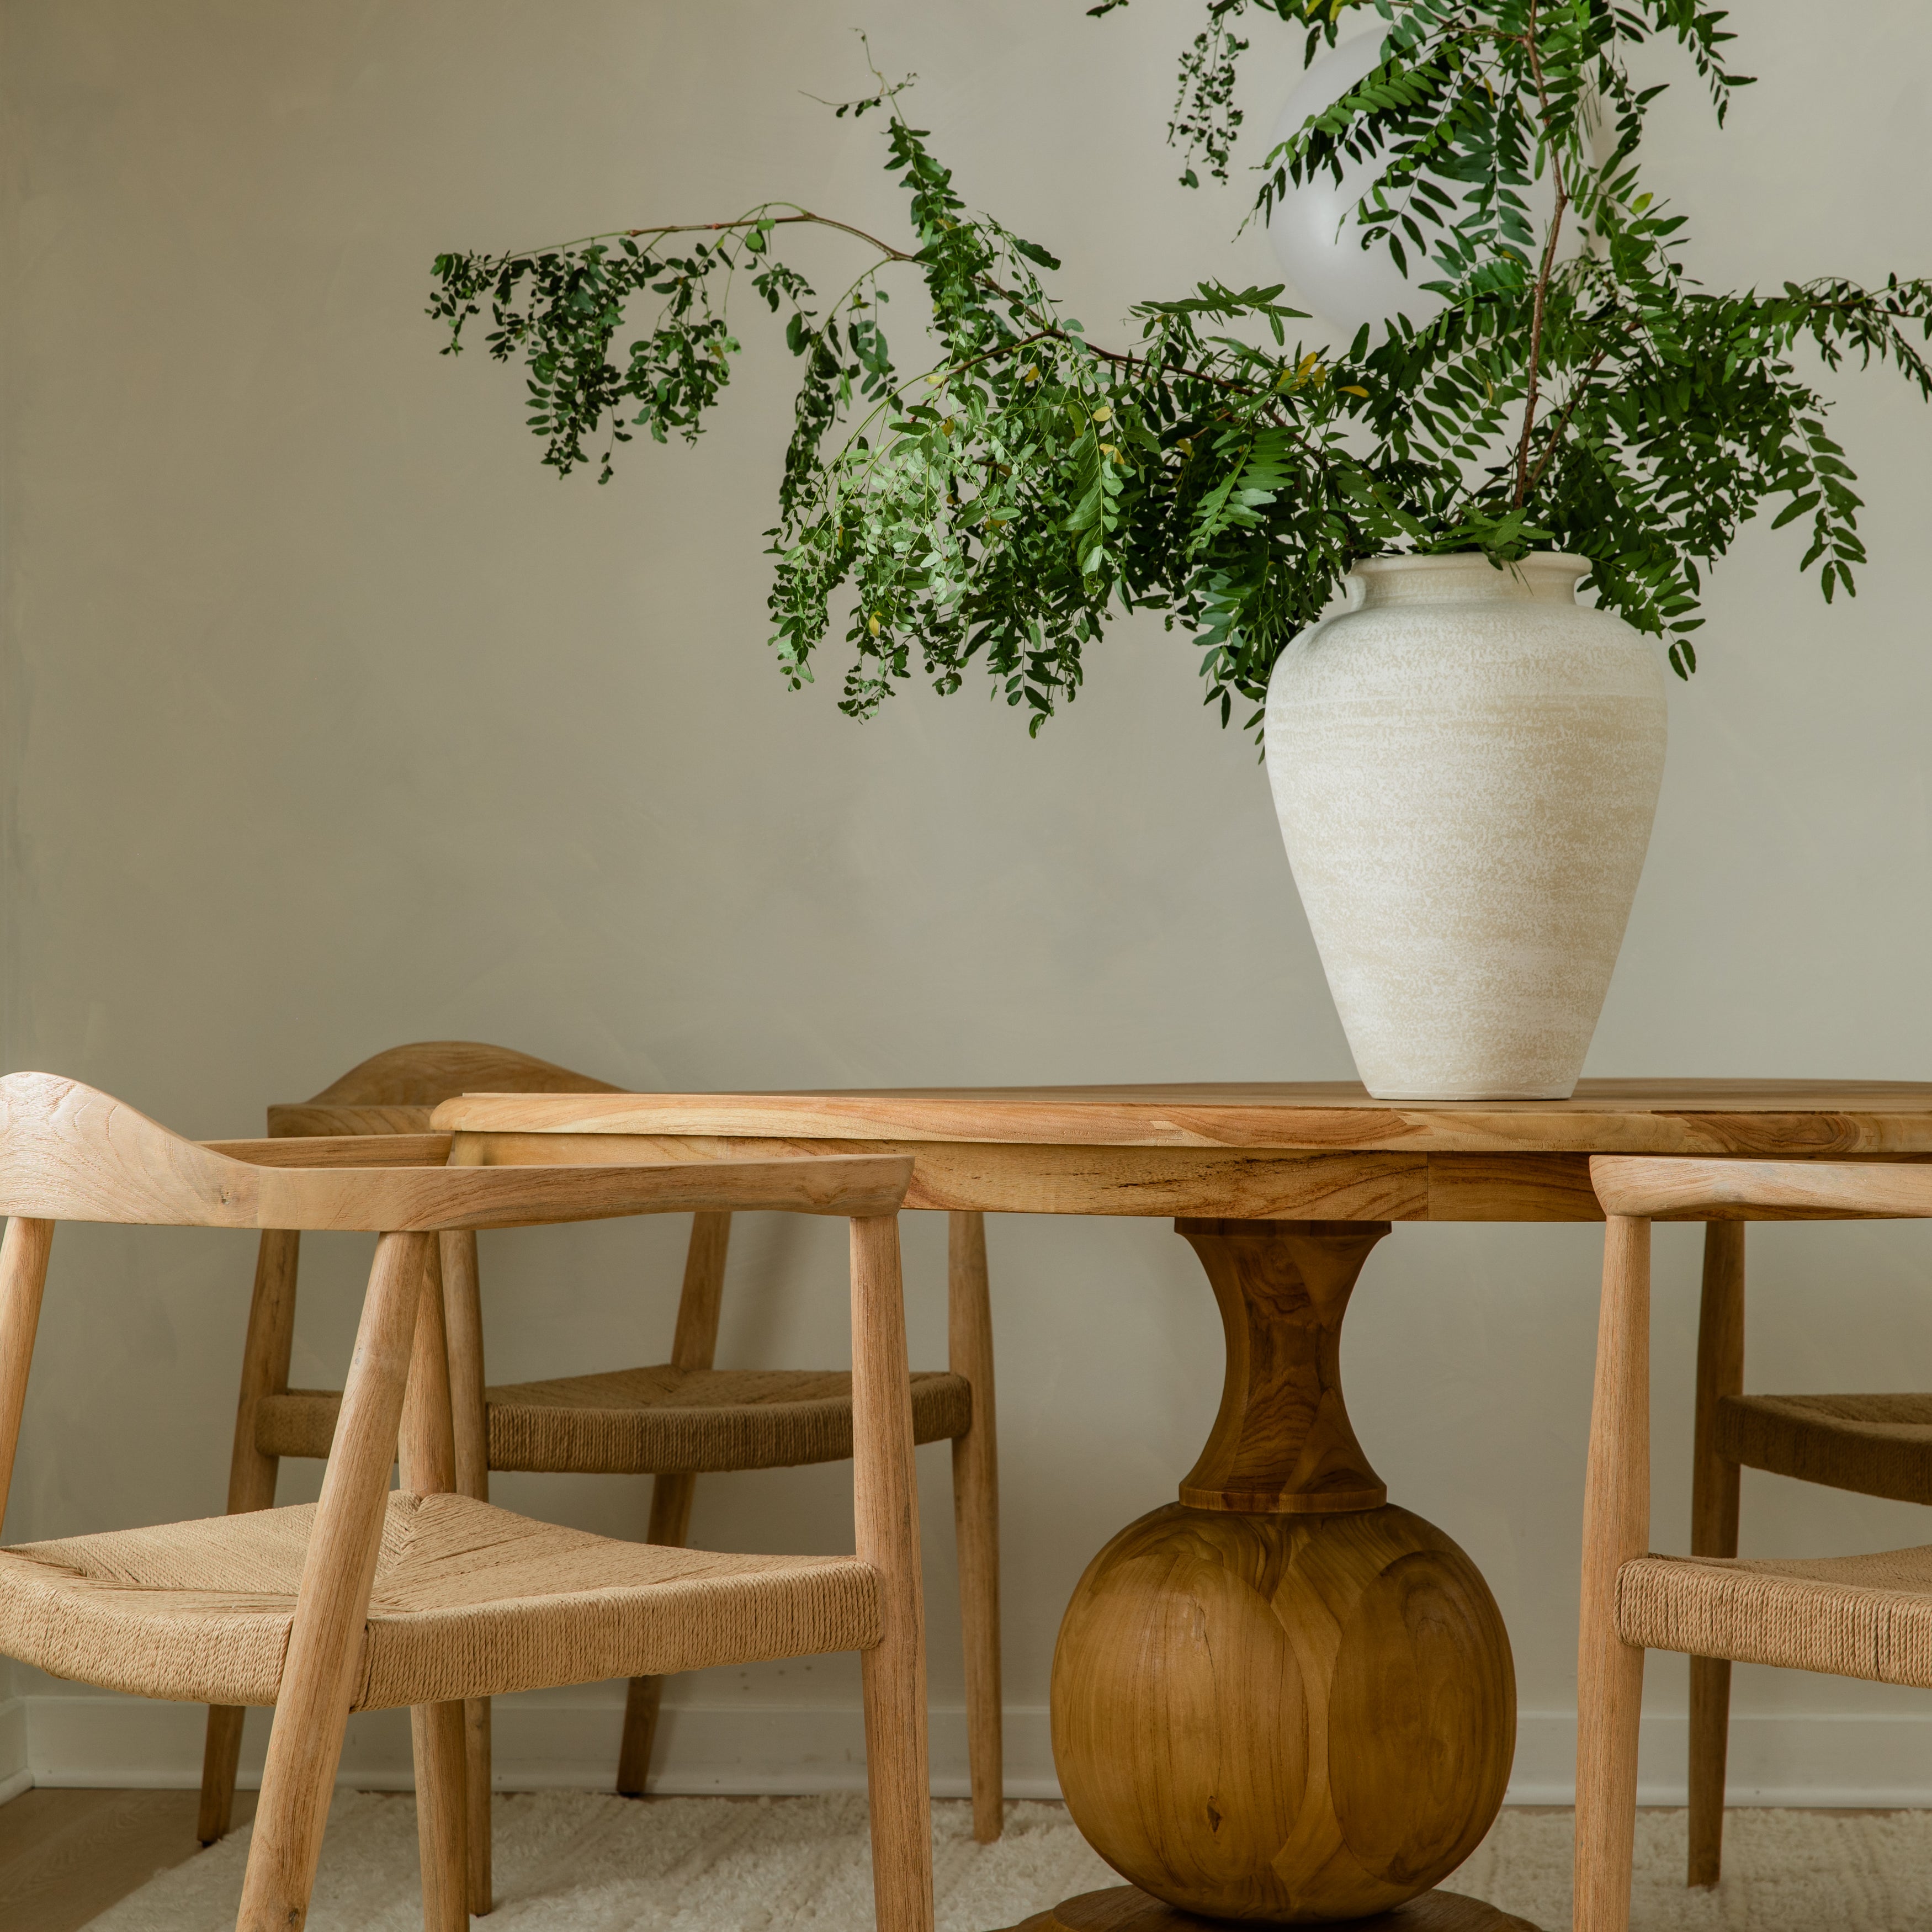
(220, 1763)
(1714, 1532)
(694, 1345)
(670, 1525)
(1616, 1528)
(975, 1515)
(24, 1254)
(251, 1486)
(427, 1466)
(885, 1498)
(319, 1676)
(437, 1731)
(1609, 1714)
(476, 1785)
(470, 1412)
(463, 1322)
(901, 1803)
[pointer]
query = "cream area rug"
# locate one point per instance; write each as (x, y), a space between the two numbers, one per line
(579, 1861)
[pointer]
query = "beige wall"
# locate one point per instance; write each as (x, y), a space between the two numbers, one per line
(333, 721)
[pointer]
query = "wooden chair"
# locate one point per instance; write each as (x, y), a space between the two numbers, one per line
(673, 1421)
(1873, 1445)
(1852, 1616)
(427, 1598)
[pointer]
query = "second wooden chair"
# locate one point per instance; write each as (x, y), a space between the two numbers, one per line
(1873, 1445)
(673, 1421)
(1851, 1616)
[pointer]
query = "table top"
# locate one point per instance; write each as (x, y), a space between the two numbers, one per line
(1797, 1118)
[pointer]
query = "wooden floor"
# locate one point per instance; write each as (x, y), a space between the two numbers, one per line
(66, 1856)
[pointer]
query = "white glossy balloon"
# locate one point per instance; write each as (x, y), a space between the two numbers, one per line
(1313, 230)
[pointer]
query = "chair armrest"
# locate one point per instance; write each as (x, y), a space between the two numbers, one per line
(423, 1199)
(1669, 1188)
(339, 1151)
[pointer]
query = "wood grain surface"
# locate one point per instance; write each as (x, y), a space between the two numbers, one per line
(423, 1072)
(1025, 1175)
(338, 1569)
(885, 1514)
(1282, 1717)
(395, 1091)
(67, 1854)
(1616, 1528)
(694, 1345)
(1763, 1190)
(426, 1465)
(252, 1472)
(1714, 1495)
(344, 1149)
(1028, 1177)
(75, 1154)
(24, 1253)
(1282, 1442)
(1804, 1118)
(1126, 1908)
(975, 1515)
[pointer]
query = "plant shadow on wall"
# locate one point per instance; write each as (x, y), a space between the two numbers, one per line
(1002, 502)
(1467, 766)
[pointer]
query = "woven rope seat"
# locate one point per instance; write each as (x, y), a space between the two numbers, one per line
(1878, 1445)
(645, 1421)
(1853, 1616)
(469, 1601)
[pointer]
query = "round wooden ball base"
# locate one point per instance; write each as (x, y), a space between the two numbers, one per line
(1126, 1908)
(1278, 1701)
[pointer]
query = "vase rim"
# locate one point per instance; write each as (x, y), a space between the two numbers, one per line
(1395, 565)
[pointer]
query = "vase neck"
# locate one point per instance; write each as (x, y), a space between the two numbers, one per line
(1468, 577)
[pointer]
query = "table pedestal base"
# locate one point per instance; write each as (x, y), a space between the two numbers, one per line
(1281, 1700)
(1126, 1908)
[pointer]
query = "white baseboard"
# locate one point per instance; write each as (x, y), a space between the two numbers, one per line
(1829, 1760)
(538, 1745)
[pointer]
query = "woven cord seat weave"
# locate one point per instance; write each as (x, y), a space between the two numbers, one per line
(1851, 1616)
(469, 1601)
(644, 1421)
(1876, 1445)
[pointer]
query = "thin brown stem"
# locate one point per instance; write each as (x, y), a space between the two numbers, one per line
(1044, 329)
(777, 221)
(757, 218)
(1555, 436)
(1546, 268)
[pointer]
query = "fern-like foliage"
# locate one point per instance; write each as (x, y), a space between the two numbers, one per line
(1002, 502)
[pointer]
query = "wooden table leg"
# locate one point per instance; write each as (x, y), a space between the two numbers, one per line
(1281, 1700)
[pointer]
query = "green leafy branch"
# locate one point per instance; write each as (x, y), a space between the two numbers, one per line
(1004, 501)
(1648, 419)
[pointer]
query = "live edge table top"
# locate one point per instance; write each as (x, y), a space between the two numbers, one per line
(1302, 1150)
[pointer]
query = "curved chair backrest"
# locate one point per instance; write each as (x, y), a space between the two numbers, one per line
(1673, 1188)
(69, 1154)
(396, 1090)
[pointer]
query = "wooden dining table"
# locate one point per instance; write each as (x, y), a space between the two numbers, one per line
(1279, 1699)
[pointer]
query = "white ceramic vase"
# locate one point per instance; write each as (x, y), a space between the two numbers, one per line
(1466, 766)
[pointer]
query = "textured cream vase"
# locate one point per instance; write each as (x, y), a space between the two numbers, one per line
(1466, 766)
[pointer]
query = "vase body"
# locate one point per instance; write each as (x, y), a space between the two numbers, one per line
(1466, 766)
